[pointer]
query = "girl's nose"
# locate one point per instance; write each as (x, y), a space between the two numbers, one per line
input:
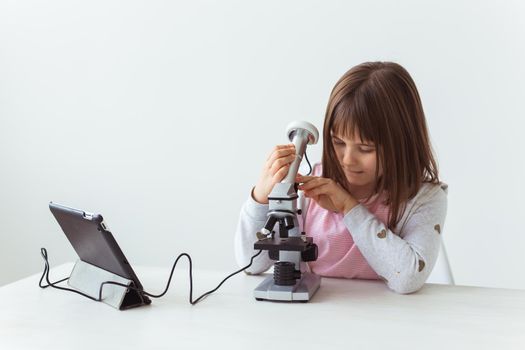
(349, 157)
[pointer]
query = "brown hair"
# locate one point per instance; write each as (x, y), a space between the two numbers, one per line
(380, 99)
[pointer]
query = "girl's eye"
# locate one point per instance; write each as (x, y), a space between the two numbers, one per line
(337, 142)
(366, 150)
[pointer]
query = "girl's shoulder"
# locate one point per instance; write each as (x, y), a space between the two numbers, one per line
(431, 200)
(431, 197)
(431, 190)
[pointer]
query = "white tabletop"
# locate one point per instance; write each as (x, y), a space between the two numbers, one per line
(350, 314)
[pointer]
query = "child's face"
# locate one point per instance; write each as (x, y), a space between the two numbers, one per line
(357, 159)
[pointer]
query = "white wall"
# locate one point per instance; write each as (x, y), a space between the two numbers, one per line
(159, 114)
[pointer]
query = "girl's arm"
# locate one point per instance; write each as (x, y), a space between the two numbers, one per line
(251, 220)
(405, 260)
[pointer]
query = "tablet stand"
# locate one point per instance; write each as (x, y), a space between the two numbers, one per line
(88, 278)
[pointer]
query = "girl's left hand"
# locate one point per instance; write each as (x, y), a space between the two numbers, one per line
(327, 193)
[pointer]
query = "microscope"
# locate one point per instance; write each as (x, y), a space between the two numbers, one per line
(290, 248)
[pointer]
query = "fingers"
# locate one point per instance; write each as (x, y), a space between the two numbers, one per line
(275, 169)
(318, 190)
(310, 182)
(302, 179)
(281, 151)
(281, 156)
(279, 163)
(281, 173)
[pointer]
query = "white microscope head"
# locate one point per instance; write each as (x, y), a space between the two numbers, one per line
(313, 136)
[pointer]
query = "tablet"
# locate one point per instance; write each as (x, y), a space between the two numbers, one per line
(93, 242)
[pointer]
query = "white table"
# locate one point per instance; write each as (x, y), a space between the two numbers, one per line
(344, 314)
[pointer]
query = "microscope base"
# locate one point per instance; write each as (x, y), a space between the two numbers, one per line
(303, 290)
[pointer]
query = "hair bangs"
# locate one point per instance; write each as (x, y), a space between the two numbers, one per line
(351, 118)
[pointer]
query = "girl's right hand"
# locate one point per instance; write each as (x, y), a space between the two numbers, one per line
(274, 171)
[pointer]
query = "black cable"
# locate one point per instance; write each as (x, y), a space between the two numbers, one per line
(45, 274)
(309, 165)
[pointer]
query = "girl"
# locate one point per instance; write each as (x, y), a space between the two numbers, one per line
(377, 207)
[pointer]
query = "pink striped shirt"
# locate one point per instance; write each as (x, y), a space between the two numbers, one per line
(338, 254)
